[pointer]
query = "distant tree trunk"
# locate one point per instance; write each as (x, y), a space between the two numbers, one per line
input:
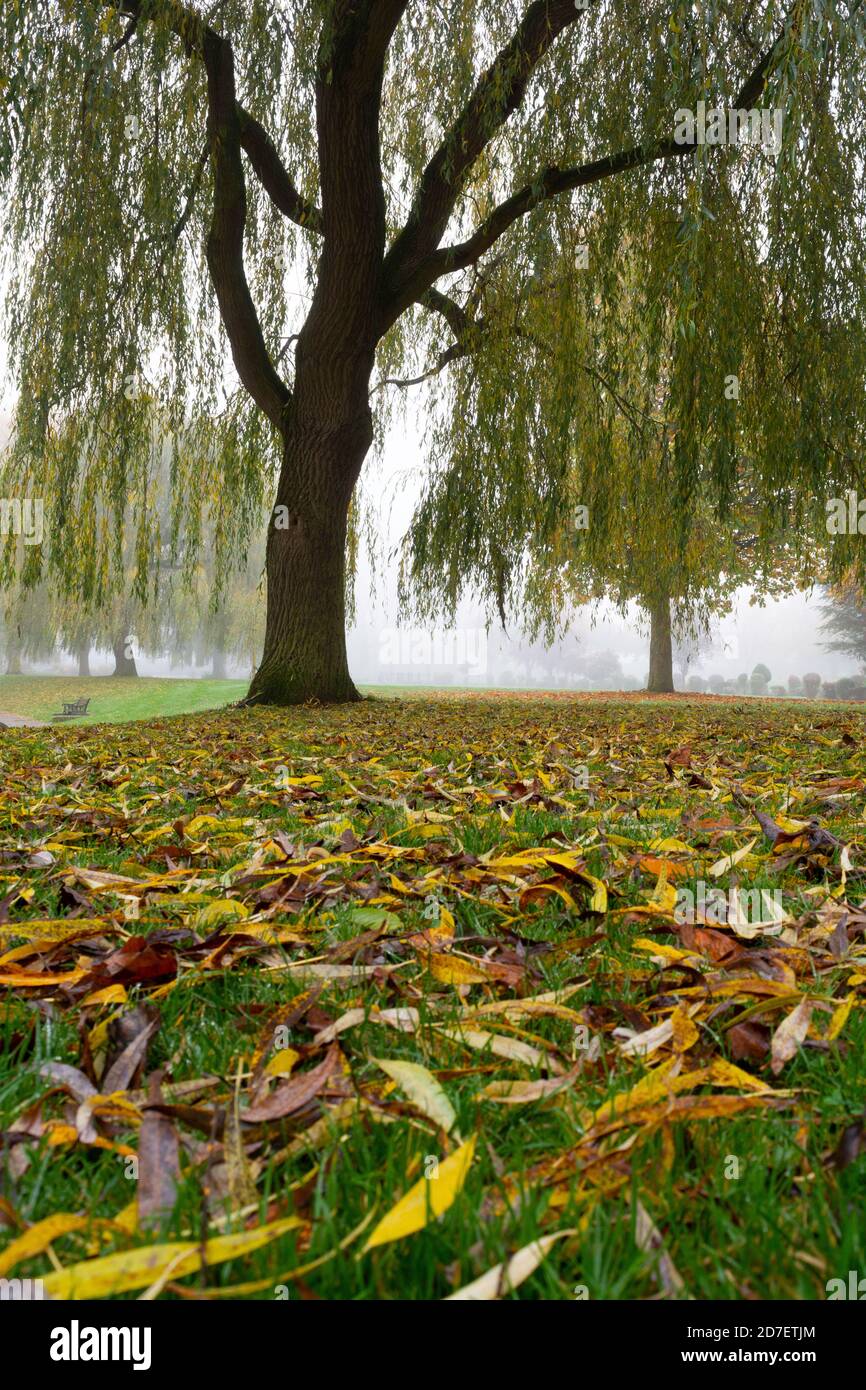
(218, 670)
(13, 654)
(661, 671)
(123, 665)
(83, 654)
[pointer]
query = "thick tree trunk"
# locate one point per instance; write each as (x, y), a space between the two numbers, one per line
(661, 670)
(218, 667)
(123, 665)
(304, 655)
(83, 654)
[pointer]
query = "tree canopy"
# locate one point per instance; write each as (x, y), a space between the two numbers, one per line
(502, 200)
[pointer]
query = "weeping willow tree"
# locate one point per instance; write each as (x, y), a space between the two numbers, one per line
(343, 196)
(615, 524)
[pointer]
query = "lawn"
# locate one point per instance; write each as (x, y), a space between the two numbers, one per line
(115, 700)
(266, 974)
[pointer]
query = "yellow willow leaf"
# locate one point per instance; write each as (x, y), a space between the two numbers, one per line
(671, 845)
(662, 1081)
(790, 1033)
(839, 1018)
(724, 1073)
(31, 979)
(721, 866)
(220, 911)
(667, 954)
(422, 1088)
(444, 931)
(684, 1034)
(137, 1269)
(454, 970)
(570, 862)
(664, 895)
(54, 929)
(428, 1199)
(38, 1237)
(539, 891)
(502, 1278)
(282, 1062)
(512, 1048)
(548, 1002)
(111, 994)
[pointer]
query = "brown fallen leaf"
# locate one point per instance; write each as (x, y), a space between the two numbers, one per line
(295, 1093)
(158, 1160)
(122, 1072)
(749, 1040)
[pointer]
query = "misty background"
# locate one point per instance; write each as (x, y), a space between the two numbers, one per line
(603, 649)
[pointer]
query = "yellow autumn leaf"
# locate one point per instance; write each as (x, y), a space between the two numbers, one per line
(38, 1237)
(721, 866)
(282, 1062)
(136, 1269)
(220, 911)
(839, 1018)
(428, 1199)
(454, 970)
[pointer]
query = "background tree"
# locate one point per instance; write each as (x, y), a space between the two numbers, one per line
(759, 680)
(418, 201)
(844, 621)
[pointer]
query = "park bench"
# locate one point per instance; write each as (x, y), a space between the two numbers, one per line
(72, 709)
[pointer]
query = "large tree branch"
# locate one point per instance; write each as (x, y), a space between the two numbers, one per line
(195, 33)
(225, 246)
(273, 176)
(497, 94)
(549, 183)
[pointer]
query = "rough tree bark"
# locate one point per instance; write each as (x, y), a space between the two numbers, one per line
(661, 670)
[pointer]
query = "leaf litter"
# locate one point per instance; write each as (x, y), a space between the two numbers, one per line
(414, 926)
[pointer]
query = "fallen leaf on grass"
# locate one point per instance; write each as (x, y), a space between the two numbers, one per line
(789, 1035)
(501, 1279)
(38, 1237)
(425, 1201)
(293, 1094)
(422, 1088)
(136, 1269)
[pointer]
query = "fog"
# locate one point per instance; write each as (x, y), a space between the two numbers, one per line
(602, 650)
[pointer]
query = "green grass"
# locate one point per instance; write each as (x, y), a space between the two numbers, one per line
(789, 1222)
(116, 700)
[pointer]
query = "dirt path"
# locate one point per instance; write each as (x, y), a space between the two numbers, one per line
(18, 721)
